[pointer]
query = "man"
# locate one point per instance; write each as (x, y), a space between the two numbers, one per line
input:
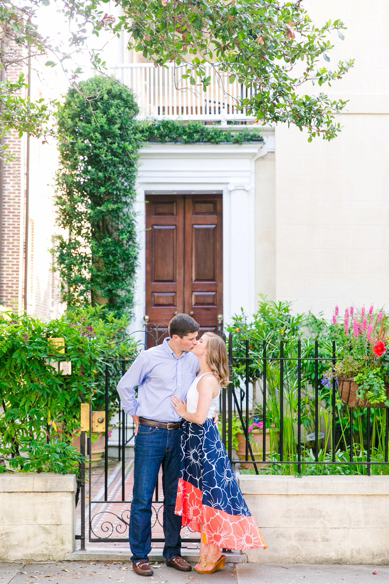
(159, 373)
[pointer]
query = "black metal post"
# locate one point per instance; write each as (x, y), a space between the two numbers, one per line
(317, 401)
(368, 441)
(333, 402)
(247, 377)
(229, 406)
(281, 401)
(82, 479)
(299, 465)
(106, 432)
(123, 443)
(264, 404)
(351, 434)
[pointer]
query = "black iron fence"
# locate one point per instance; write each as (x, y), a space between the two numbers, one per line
(280, 414)
(283, 414)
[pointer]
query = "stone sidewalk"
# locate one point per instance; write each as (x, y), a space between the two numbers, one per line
(113, 572)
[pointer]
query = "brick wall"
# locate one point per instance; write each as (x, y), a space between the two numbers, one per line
(43, 299)
(13, 215)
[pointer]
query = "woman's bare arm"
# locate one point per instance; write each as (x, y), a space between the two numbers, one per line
(207, 387)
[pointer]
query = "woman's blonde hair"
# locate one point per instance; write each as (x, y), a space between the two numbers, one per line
(216, 358)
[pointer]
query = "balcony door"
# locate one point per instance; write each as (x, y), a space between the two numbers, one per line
(184, 259)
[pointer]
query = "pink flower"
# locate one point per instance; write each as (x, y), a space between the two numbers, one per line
(356, 329)
(346, 325)
(369, 332)
(351, 310)
(260, 425)
(380, 317)
(364, 324)
(363, 311)
(250, 429)
(334, 319)
(371, 310)
(346, 314)
(273, 425)
(336, 310)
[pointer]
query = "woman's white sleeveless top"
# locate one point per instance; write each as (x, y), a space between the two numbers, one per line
(192, 398)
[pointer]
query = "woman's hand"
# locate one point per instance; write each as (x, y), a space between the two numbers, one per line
(179, 406)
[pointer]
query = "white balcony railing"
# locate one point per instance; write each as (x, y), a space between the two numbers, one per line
(162, 93)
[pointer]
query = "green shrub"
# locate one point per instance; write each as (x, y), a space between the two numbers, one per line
(41, 406)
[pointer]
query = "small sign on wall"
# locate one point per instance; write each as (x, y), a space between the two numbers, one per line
(56, 345)
(64, 367)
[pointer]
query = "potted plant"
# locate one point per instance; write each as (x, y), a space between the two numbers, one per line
(362, 368)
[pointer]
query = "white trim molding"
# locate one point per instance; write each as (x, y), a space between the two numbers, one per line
(228, 169)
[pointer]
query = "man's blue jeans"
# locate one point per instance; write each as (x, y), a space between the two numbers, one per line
(155, 447)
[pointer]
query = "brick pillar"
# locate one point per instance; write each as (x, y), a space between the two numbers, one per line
(13, 215)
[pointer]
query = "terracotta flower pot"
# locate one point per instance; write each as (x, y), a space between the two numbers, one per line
(272, 438)
(347, 389)
(98, 448)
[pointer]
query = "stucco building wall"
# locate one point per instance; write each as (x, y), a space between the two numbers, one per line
(332, 199)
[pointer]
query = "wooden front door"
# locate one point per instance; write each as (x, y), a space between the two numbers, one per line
(184, 258)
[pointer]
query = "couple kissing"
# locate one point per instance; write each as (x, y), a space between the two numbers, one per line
(174, 412)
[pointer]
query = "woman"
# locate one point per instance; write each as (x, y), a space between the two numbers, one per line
(209, 498)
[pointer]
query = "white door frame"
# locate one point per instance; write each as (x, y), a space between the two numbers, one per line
(198, 169)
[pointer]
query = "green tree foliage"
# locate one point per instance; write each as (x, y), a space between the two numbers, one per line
(19, 41)
(98, 145)
(271, 46)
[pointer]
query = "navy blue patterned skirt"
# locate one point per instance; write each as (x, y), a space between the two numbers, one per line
(209, 499)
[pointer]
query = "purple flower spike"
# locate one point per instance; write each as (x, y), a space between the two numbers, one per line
(369, 332)
(346, 314)
(346, 326)
(363, 311)
(351, 310)
(336, 310)
(364, 324)
(334, 319)
(356, 329)
(371, 310)
(380, 317)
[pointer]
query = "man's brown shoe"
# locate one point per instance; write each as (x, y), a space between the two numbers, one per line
(142, 568)
(179, 564)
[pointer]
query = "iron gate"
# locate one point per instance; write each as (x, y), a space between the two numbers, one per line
(104, 493)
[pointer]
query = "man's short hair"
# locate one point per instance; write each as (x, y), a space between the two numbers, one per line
(182, 325)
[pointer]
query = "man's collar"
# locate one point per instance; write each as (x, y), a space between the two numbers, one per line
(168, 347)
(170, 350)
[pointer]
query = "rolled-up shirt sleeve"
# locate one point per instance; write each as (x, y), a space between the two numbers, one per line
(126, 387)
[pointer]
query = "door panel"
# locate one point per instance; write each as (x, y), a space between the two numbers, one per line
(164, 258)
(204, 251)
(164, 253)
(184, 260)
(204, 260)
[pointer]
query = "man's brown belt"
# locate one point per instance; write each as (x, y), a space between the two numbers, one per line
(164, 425)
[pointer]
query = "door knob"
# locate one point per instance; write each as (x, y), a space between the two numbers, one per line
(191, 313)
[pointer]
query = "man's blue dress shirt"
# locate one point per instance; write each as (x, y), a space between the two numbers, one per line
(159, 374)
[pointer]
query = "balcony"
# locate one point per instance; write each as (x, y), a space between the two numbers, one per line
(162, 93)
